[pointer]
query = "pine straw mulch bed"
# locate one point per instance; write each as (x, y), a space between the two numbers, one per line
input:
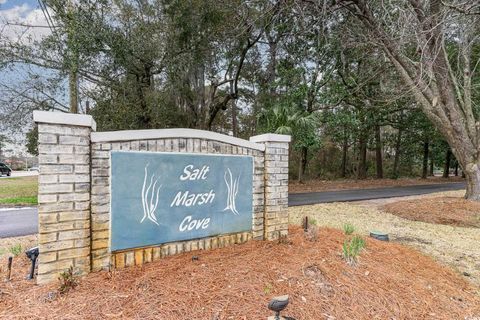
(348, 184)
(391, 281)
(441, 210)
(456, 247)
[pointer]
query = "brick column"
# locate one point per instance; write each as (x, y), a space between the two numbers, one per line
(276, 184)
(63, 193)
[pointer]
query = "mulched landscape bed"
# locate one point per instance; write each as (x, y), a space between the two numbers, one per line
(391, 281)
(348, 184)
(440, 210)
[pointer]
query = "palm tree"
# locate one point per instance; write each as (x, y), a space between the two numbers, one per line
(301, 125)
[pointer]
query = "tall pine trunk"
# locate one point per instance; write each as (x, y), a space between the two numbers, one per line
(378, 152)
(362, 159)
(344, 157)
(425, 160)
(396, 160)
(446, 168)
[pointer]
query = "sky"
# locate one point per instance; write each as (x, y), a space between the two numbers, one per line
(21, 12)
(8, 4)
(24, 12)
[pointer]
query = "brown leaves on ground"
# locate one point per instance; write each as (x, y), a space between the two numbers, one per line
(391, 281)
(347, 184)
(440, 210)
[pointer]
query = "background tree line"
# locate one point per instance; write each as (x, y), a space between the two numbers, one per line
(366, 89)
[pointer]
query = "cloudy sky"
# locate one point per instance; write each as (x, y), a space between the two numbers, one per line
(25, 12)
(12, 14)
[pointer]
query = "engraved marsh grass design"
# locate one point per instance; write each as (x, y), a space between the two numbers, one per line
(232, 187)
(148, 195)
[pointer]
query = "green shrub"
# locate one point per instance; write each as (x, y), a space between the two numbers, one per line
(352, 248)
(68, 280)
(15, 249)
(348, 228)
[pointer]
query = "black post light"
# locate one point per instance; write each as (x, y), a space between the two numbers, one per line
(32, 254)
(277, 304)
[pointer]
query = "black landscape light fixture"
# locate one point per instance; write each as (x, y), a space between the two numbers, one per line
(32, 254)
(277, 304)
(379, 235)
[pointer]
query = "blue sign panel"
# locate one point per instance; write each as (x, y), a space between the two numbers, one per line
(164, 197)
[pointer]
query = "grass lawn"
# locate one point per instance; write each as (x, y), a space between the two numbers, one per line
(19, 191)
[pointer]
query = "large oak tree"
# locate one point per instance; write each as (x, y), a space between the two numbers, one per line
(434, 46)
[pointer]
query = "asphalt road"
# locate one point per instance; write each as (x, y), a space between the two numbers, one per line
(24, 221)
(18, 222)
(300, 199)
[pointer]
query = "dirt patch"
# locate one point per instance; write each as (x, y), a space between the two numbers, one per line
(333, 185)
(390, 281)
(457, 247)
(442, 210)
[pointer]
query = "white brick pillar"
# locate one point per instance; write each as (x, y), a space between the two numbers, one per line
(276, 184)
(63, 193)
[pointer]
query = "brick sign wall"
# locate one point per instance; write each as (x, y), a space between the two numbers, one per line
(77, 178)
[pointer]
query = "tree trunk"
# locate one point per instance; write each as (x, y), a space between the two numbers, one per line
(344, 157)
(302, 164)
(431, 173)
(272, 64)
(73, 57)
(234, 118)
(446, 169)
(300, 171)
(456, 168)
(396, 160)
(425, 160)
(472, 175)
(378, 152)
(362, 160)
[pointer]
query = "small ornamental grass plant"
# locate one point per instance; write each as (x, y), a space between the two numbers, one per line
(352, 248)
(348, 228)
(15, 250)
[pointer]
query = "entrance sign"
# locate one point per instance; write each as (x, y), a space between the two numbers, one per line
(124, 198)
(165, 197)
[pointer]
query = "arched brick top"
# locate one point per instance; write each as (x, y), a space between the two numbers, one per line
(129, 135)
